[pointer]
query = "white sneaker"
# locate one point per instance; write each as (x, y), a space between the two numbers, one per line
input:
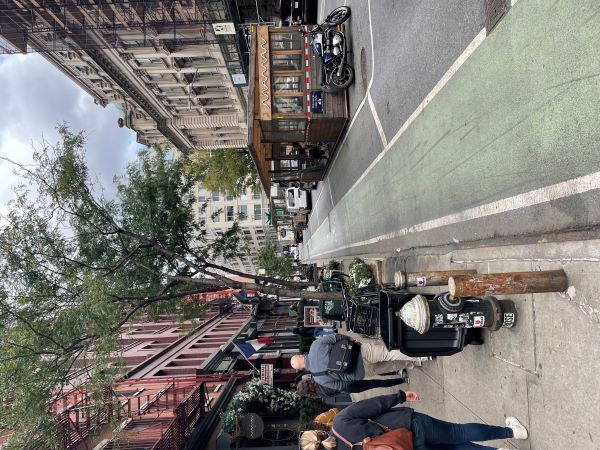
(519, 430)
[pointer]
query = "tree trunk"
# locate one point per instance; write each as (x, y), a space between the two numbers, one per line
(508, 283)
(431, 278)
(271, 290)
(295, 293)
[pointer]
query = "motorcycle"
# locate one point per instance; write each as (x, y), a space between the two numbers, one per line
(329, 45)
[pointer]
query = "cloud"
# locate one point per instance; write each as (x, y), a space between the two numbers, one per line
(34, 98)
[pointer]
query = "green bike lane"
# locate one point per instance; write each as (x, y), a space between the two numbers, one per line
(519, 118)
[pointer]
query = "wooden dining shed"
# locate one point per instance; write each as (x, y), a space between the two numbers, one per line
(288, 112)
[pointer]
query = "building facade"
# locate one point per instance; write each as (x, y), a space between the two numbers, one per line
(217, 211)
(161, 402)
(176, 69)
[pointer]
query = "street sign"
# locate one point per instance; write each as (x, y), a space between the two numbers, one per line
(316, 102)
(224, 28)
(266, 373)
(238, 78)
(312, 318)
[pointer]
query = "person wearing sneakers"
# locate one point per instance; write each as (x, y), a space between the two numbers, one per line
(370, 418)
(316, 361)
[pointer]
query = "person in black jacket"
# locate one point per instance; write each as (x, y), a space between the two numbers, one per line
(361, 420)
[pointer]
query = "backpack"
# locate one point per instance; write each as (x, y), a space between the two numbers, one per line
(342, 357)
(397, 439)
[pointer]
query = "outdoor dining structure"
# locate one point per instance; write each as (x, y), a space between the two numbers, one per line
(288, 112)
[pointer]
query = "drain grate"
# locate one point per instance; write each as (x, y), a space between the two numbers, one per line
(494, 11)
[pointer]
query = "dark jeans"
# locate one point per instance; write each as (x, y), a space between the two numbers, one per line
(434, 434)
(364, 385)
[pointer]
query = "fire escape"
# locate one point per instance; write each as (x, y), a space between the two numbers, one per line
(157, 414)
(47, 26)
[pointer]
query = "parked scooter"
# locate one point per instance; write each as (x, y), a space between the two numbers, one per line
(329, 44)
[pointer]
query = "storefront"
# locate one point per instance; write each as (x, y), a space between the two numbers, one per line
(294, 125)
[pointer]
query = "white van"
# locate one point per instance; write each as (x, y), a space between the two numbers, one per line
(297, 200)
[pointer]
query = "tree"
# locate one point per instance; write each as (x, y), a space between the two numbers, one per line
(226, 170)
(275, 266)
(75, 266)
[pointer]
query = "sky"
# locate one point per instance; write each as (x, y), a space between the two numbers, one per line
(34, 98)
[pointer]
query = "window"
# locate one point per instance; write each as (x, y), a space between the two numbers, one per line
(147, 61)
(257, 195)
(286, 84)
(243, 212)
(288, 104)
(286, 62)
(201, 195)
(285, 129)
(216, 214)
(243, 195)
(215, 196)
(290, 198)
(172, 90)
(228, 196)
(258, 213)
(286, 41)
(160, 76)
(229, 213)
(259, 230)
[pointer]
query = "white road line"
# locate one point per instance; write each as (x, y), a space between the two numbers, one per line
(362, 103)
(377, 122)
(330, 194)
(476, 42)
(468, 51)
(358, 110)
(575, 186)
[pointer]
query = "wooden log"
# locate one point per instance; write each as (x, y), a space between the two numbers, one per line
(431, 278)
(508, 283)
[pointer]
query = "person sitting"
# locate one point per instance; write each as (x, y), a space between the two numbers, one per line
(317, 361)
(370, 418)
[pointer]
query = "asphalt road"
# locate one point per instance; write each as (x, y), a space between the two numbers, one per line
(459, 136)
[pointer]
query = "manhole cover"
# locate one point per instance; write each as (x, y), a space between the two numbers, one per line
(494, 11)
(363, 68)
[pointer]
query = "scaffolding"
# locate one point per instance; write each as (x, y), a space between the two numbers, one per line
(49, 26)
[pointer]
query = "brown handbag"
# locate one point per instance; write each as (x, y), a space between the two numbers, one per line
(397, 439)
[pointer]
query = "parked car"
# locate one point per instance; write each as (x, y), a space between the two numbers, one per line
(297, 201)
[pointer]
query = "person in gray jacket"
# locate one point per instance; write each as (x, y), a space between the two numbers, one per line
(361, 420)
(317, 359)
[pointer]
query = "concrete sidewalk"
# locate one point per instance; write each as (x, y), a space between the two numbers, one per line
(544, 371)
